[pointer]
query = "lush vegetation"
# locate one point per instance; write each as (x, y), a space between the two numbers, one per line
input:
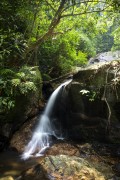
(55, 36)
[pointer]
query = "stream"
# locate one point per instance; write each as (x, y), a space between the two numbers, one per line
(12, 165)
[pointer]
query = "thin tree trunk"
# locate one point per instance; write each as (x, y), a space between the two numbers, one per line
(55, 21)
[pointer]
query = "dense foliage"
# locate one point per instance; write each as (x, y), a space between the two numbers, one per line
(15, 82)
(56, 36)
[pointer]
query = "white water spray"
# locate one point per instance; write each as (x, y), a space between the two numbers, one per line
(41, 137)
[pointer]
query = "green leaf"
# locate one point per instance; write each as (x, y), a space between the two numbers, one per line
(16, 82)
(84, 91)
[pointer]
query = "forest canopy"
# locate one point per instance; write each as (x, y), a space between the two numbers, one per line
(53, 35)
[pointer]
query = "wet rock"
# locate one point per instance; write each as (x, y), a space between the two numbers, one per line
(47, 90)
(3, 142)
(23, 135)
(34, 173)
(63, 167)
(116, 168)
(63, 148)
(7, 178)
(93, 106)
(5, 129)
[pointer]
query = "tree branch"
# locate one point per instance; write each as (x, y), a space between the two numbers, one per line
(68, 75)
(58, 13)
(92, 1)
(50, 5)
(86, 12)
(55, 21)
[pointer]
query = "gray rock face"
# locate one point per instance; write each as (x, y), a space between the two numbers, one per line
(105, 57)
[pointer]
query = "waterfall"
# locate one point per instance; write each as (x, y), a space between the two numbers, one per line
(41, 137)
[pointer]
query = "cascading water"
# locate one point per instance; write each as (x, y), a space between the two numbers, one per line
(41, 137)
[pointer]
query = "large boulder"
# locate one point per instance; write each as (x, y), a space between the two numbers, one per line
(105, 57)
(21, 137)
(94, 103)
(62, 167)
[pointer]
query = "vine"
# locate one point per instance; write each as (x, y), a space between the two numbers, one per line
(114, 82)
(106, 101)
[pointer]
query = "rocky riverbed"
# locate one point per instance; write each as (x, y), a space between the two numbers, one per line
(65, 161)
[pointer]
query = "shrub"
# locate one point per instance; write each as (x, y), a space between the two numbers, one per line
(14, 83)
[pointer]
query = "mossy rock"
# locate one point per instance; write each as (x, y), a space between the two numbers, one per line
(63, 167)
(26, 106)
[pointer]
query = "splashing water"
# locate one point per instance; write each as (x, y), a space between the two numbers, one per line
(41, 137)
